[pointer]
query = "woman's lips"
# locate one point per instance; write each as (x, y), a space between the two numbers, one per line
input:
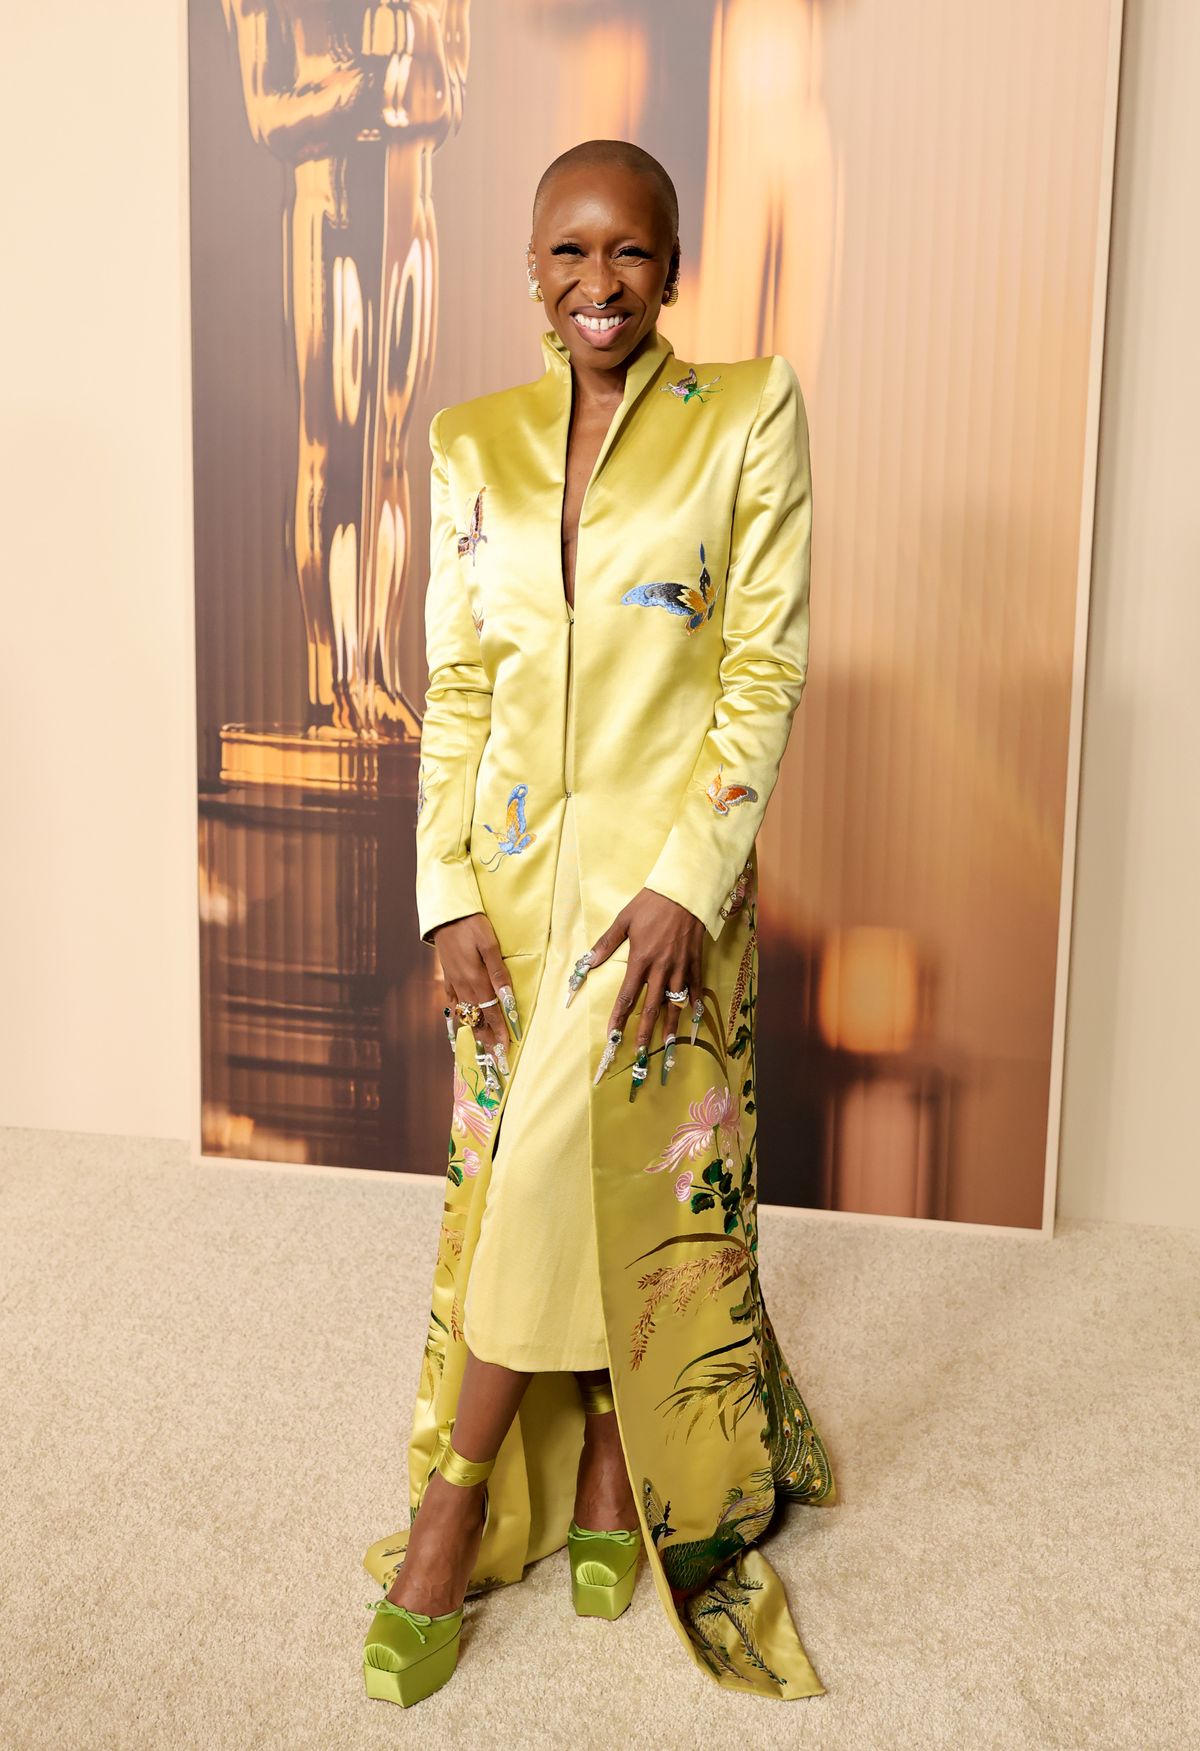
(602, 337)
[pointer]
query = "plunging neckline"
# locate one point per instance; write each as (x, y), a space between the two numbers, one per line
(562, 503)
(655, 348)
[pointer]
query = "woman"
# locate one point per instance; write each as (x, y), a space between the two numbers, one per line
(617, 633)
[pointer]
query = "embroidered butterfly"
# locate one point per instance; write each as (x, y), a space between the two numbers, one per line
(516, 836)
(690, 389)
(477, 621)
(470, 541)
(723, 796)
(694, 602)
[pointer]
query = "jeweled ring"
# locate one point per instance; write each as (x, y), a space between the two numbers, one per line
(678, 996)
(489, 1003)
(471, 1013)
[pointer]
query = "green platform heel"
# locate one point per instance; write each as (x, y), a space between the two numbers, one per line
(408, 1655)
(603, 1564)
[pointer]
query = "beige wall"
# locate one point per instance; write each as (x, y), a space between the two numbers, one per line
(97, 881)
(99, 901)
(1129, 1141)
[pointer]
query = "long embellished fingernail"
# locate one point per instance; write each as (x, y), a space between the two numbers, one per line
(697, 1018)
(509, 1004)
(578, 974)
(668, 1063)
(449, 1025)
(640, 1071)
(609, 1053)
(501, 1051)
(491, 1081)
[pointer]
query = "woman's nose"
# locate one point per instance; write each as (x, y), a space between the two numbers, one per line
(599, 284)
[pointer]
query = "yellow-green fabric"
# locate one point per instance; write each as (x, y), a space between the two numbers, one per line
(700, 500)
(533, 1301)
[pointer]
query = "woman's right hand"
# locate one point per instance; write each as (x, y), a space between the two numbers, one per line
(473, 971)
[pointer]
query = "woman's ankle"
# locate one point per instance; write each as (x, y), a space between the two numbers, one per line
(443, 1546)
(604, 1498)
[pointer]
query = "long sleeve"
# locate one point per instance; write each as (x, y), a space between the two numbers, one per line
(764, 663)
(457, 722)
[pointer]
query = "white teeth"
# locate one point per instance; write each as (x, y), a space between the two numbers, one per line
(599, 322)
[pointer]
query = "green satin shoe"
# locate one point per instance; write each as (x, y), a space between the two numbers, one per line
(603, 1570)
(603, 1564)
(408, 1655)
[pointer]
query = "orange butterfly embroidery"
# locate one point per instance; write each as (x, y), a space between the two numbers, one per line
(723, 796)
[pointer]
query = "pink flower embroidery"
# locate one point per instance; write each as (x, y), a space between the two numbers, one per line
(470, 1163)
(469, 1117)
(683, 1185)
(718, 1111)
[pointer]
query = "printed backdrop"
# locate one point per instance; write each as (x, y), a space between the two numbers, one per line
(911, 203)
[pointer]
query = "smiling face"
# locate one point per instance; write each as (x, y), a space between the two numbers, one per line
(601, 235)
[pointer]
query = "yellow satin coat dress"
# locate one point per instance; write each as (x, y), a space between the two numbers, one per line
(686, 656)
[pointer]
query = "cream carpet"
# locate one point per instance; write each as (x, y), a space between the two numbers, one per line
(208, 1378)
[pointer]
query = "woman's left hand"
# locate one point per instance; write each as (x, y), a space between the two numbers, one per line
(665, 954)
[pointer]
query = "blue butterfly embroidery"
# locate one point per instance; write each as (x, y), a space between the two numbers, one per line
(516, 836)
(695, 602)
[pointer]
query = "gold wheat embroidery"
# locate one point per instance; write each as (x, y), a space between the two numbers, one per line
(679, 1284)
(739, 985)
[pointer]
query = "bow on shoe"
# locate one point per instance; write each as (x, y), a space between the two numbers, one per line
(417, 1620)
(620, 1536)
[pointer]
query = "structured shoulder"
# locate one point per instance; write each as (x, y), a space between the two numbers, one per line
(781, 374)
(776, 390)
(481, 413)
(773, 377)
(740, 373)
(750, 373)
(750, 381)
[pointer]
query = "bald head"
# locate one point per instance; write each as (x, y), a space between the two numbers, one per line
(612, 154)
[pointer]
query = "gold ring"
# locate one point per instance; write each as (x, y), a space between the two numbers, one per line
(471, 1013)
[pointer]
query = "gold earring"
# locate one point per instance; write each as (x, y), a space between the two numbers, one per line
(671, 292)
(535, 291)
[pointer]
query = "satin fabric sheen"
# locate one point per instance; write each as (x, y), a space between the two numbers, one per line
(671, 755)
(534, 1299)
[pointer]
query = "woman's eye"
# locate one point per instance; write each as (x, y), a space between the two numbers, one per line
(574, 249)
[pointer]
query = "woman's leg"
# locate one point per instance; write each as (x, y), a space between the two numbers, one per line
(447, 1532)
(604, 1499)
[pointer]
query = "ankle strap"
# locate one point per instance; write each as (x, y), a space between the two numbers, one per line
(455, 1469)
(597, 1396)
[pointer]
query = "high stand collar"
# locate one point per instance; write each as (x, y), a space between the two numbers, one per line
(653, 349)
